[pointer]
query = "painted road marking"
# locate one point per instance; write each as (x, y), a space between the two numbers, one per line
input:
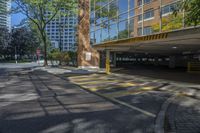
(86, 84)
(124, 104)
(129, 92)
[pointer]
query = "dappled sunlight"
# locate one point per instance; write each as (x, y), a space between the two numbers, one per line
(61, 106)
(18, 97)
(13, 80)
(25, 115)
(91, 107)
(98, 82)
(189, 103)
(52, 104)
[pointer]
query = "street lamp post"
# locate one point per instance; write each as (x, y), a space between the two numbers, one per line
(15, 54)
(61, 28)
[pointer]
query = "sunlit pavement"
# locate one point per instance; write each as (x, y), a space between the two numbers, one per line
(34, 101)
(18, 65)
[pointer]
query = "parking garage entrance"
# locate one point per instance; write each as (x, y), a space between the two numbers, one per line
(179, 50)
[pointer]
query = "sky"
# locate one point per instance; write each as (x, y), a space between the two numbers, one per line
(16, 18)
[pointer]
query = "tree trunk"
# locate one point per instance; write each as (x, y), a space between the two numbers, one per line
(45, 51)
(44, 39)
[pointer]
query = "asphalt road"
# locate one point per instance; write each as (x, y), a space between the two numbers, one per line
(76, 101)
(39, 102)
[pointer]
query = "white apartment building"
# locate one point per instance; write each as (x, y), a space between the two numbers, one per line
(62, 32)
(5, 17)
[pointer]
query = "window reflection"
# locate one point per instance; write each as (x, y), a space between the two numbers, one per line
(121, 19)
(113, 32)
(98, 36)
(131, 27)
(123, 6)
(123, 29)
(105, 35)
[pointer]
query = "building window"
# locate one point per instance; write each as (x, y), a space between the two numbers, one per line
(131, 4)
(140, 17)
(123, 6)
(139, 2)
(145, 2)
(146, 31)
(169, 8)
(139, 31)
(149, 14)
(123, 30)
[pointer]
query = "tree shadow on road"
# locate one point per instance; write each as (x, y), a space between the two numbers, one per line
(59, 106)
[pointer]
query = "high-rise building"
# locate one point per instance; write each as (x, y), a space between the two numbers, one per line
(62, 32)
(5, 17)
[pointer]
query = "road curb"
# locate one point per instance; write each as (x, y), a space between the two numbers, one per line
(160, 119)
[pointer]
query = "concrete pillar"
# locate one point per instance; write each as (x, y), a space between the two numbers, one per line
(172, 62)
(114, 59)
(87, 56)
(156, 63)
(107, 62)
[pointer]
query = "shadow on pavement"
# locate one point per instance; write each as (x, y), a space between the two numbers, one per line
(58, 106)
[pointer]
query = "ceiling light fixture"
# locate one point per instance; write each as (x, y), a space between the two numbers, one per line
(174, 47)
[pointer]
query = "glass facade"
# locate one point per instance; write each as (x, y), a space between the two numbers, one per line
(122, 19)
(110, 19)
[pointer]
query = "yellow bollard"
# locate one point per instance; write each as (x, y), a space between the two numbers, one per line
(107, 62)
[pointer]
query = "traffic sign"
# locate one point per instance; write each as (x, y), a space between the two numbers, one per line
(38, 51)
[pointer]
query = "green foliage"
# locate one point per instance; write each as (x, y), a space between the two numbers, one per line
(54, 54)
(104, 14)
(22, 42)
(192, 11)
(25, 41)
(64, 57)
(172, 22)
(169, 23)
(123, 34)
(5, 38)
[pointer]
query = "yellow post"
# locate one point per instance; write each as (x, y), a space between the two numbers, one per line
(107, 62)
